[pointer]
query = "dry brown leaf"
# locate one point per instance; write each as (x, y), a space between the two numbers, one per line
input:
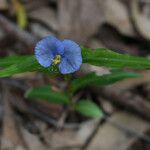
(117, 15)
(45, 15)
(111, 137)
(76, 18)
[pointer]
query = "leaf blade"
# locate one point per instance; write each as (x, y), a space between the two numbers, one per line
(93, 79)
(46, 93)
(10, 60)
(89, 109)
(24, 64)
(105, 57)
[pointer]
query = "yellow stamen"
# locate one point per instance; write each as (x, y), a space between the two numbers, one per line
(56, 60)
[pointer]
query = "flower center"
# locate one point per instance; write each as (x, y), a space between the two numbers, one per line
(56, 60)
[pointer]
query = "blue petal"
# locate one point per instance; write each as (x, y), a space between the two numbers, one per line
(46, 49)
(72, 58)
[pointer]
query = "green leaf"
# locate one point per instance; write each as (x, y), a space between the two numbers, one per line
(99, 57)
(23, 64)
(89, 109)
(93, 79)
(10, 60)
(27, 64)
(46, 93)
(105, 57)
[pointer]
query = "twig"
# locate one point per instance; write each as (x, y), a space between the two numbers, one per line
(20, 105)
(120, 126)
(91, 137)
(17, 33)
(145, 1)
(63, 117)
(14, 83)
(129, 131)
(52, 121)
(11, 136)
(34, 5)
(69, 147)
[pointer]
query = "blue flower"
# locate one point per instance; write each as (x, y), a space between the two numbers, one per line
(65, 54)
